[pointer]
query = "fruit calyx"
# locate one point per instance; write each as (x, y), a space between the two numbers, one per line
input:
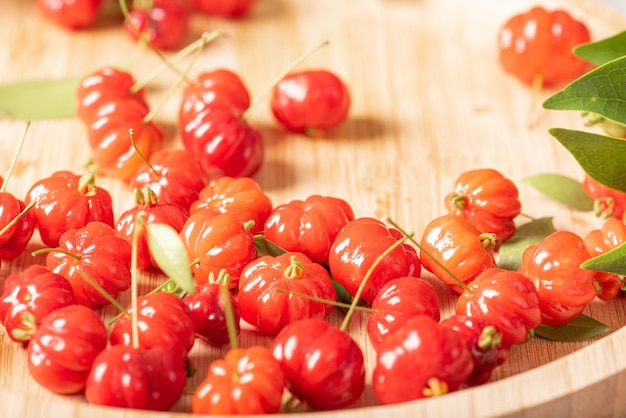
(87, 185)
(29, 323)
(459, 201)
(222, 279)
(435, 387)
(144, 196)
(487, 240)
(489, 338)
(295, 270)
(603, 207)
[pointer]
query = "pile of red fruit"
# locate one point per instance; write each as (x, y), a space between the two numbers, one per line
(225, 223)
(164, 24)
(288, 293)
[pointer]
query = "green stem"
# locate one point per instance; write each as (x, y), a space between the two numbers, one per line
(370, 271)
(282, 75)
(134, 271)
(176, 85)
(222, 279)
(536, 87)
(156, 289)
(248, 225)
(17, 218)
(102, 292)
(55, 250)
(15, 158)
(326, 301)
(422, 251)
(133, 142)
(230, 319)
(204, 39)
(527, 216)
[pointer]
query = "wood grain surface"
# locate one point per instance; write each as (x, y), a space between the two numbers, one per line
(429, 101)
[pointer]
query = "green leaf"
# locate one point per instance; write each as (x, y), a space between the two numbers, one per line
(604, 50)
(169, 253)
(580, 328)
(511, 250)
(613, 261)
(602, 157)
(342, 294)
(601, 91)
(39, 99)
(563, 189)
(266, 247)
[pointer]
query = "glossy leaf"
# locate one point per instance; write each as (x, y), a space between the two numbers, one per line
(511, 250)
(563, 189)
(602, 157)
(600, 91)
(266, 247)
(39, 99)
(604, 50)
(581, 328)
(613, 261)
(168, 251)
(343, 295)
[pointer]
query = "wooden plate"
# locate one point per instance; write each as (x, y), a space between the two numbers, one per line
(430, 100)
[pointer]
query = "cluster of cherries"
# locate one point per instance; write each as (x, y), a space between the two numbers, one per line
(225, 223)
(162, 23)
(288, 294)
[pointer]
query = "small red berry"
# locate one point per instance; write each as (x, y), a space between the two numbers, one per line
(310, 101)
(71, 14)
(420, 359)
(538, 43)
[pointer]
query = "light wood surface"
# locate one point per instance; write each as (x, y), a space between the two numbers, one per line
(430, 100)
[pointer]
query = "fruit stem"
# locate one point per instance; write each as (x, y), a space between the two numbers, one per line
(298, 61)
(534, 95)
(204, 39)
(139, 226)
(326, 301)
(248, 224)
(17, 218)
(293, 405)
(422, 251)
(527, 216)
(131, 133)
(160, 287)
(55, 250)
(103, 292)
(368, 274)
(175, 86)
(15, 158)
(230, 318)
